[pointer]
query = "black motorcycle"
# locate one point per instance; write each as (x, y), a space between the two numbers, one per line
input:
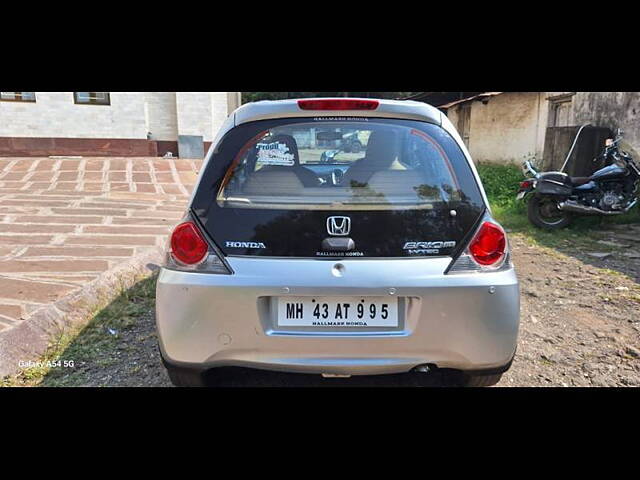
(554, 197)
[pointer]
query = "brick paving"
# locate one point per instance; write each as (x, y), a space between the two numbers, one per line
(64, 222)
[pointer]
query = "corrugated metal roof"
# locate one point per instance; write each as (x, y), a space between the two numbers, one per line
(440, 98)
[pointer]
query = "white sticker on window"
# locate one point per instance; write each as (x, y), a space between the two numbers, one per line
(275, 153)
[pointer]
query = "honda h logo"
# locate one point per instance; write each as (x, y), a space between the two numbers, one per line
(338, 225)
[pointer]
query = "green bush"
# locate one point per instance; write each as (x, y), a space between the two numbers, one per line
(501, 182)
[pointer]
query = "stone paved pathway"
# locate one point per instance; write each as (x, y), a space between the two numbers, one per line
(64, 222)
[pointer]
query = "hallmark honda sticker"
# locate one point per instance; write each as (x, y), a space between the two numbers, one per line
(275, 153)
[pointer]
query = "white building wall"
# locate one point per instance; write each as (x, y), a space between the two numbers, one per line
(221, 107)
(54, 114)
(162, 115)
(234, 101)
(201, 113)
(194, 113)
(131, 115)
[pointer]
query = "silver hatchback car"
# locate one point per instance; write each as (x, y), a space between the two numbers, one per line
(338, 237)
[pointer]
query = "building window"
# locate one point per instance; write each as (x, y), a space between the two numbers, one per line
(18, 96)
(92, 98)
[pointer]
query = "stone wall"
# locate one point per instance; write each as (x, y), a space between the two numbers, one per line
(612, 110)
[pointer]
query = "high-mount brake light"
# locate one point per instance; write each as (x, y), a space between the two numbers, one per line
(338, 104)
(489, 246)
(187, 244)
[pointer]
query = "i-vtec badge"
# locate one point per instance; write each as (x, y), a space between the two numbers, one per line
(427, 248)
(245, 245)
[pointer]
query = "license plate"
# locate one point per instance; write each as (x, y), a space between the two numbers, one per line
(337, 312)
(521, 195)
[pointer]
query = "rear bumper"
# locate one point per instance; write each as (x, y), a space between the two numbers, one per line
(450, 321)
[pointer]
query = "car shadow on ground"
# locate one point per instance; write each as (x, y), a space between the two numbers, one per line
(245, 377)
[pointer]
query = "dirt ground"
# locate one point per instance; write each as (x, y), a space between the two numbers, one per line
(580, 326)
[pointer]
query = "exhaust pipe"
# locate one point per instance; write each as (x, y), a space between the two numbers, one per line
(570, 206)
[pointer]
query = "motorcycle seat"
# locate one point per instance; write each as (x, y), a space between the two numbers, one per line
(565, 179)
(577, 181)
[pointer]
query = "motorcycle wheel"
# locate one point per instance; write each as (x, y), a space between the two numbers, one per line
(543, 212)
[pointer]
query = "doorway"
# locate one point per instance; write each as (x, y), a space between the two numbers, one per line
(464, 122)
(560, 111)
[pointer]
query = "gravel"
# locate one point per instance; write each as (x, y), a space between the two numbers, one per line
(590, 336)
(578, 328)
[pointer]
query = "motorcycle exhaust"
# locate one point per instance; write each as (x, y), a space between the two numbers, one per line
(570, 206)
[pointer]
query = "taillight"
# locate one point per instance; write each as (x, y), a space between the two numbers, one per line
(187, 244)
(488, 251)
(188, 251)
(526, 185)
(338, 104)
(489, 246)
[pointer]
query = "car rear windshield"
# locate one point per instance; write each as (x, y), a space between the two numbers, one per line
(281, 188)
(360, 164)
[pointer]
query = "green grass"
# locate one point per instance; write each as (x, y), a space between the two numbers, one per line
(501, 182)
(83, 346)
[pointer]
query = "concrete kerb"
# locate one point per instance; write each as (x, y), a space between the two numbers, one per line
(30, 340)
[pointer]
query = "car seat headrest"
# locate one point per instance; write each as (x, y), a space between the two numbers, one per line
(382, 148)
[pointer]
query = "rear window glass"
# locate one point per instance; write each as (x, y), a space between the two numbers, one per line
(343, 165)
